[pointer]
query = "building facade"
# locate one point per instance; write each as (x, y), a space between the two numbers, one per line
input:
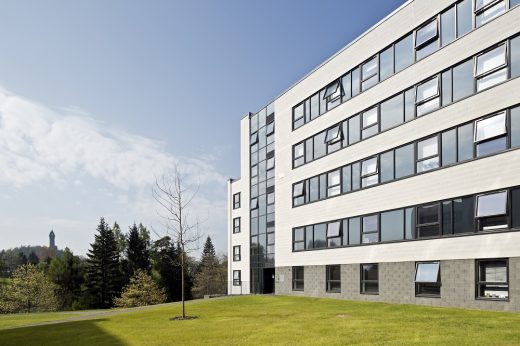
(391, 172)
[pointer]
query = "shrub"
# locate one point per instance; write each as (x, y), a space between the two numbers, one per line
(141, 291)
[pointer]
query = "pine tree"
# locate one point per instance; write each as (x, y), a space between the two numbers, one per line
(66, 272)
(103, 275)
(137, 251)
(33, 258)
(207, 278)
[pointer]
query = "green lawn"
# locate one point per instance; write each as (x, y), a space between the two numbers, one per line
(268, 320)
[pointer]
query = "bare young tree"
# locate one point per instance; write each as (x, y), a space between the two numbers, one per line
(174, 197)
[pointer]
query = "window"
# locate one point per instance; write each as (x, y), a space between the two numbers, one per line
(370, 278)
(387, 166)
(515, 208)
(370, 229)
(269, 129)
(392, 112)
(427, 96)
(404, 53)
(334, 234)
(491, 134)
(320, 147)
(236, 225)
(347, 179)
(236, 253)
(392, 225)
(333, 278)
(428, 221)
(404, 161)
(464, 17)
(491, 67)
(485, 10)
(254, 138)
(353, 130)
(515, 57)
(369, 75)
(427, 279)
(298, 115)
(427, 154)
(270, 163)
(449, 147)
(355, 81)
(333, 92)
(299, 239)
(427, 39)
(333, 138)
(463, 218)
(237, 281)
(465, 142)
(386, 62)
(354, 231)
(320, 235)
(254, 203)
(299, 155)
(515, 127)
(491, 211)
(299, 193)
(463, 80)
(369, 172)
(370, 123)
(236, 200)
(492, 279)
(448, 26)
(333, 183)
(297, 278)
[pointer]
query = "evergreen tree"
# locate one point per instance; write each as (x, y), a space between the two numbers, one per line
(22, 259)
(141, 291)
(207, 277)
(66, 272)
(103, 275)
(33, 258)
(137, 251)
(120, 240)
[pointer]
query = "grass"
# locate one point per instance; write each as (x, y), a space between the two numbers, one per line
(269, 320)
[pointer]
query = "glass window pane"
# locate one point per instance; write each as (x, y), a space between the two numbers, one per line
(309, 150)
(320, 148)
(492, 204)
(491, 79)
(404, 52)
(515, 127)
(345, 82)
(446, 88)
(448, 26)
(392, 225)
(356, 174)
(323, 186)
(427, 272)
(354, 231)
(392, 112)
(428, 106)
(463, 80)
(333, 134)
(370, 223)
(513, 3)
(493, 271)
(369, 69)
(428, 214)
(491, 60)
(491, 127)
(515, 57)
(313, 189)
(333, 229)
(309, 237)
(333, 90)
(449, 147)
(490, 13)
(515, 207)
(346, 179)
(387, 166)
(465, 142)
(404, 161)
(464, 17)
(369, 166)
(463, 215)
(320, 235)
(370, 117)
(315, 106)
(409, 105)
(386, 61)
(427, 50)
(355, 82)
(427, 90)
(323, 102)
(426, 33)
(428, 147)
(447, 217)
(353, 130)
(409, 223)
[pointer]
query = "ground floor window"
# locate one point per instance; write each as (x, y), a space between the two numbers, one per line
(492, 279)
(370, 278)
(427, 279)
(297, 278)
(333, 278)
(237, 278)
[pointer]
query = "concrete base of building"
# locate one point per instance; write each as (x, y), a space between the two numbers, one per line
(396, 285)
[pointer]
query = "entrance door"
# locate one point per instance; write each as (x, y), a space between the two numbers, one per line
(268, 280)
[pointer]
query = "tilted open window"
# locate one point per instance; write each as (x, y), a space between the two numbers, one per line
(491, 211)
(333, 91)
(369, 172)
(427, 96)
(491, 67)
(485, 10)
(491, 134)
(427, 279)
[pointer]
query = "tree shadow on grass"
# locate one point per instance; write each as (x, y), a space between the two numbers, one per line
(86, 332)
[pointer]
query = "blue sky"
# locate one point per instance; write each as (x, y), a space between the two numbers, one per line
(97, 97)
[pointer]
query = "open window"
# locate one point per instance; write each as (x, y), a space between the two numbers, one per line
(333, 92)
(485, 10)
(254, 138)
(492, 279)
(428, 154)
(299, 193)
(269, 129)
(333, 135)
(427, 39)
(427, 96)
(491, 134)
(334, 234)
(491, 211)
(370, 122)
(427, 279)
(428, 219)
(491, 67)
(369, 73)
(369, 172)
(254, 203)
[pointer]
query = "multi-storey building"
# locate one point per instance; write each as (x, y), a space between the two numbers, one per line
(391, 172)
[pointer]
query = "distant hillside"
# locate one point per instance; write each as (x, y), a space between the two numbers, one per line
(12, 258)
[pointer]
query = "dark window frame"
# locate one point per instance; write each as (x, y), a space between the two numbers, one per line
(237, 281)
(237, 257)
(236, 229)
(438, 223)
(236, 200)
(364, 281)
(329, 281)
(295, 280)
(419, 285)
(479, 282)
